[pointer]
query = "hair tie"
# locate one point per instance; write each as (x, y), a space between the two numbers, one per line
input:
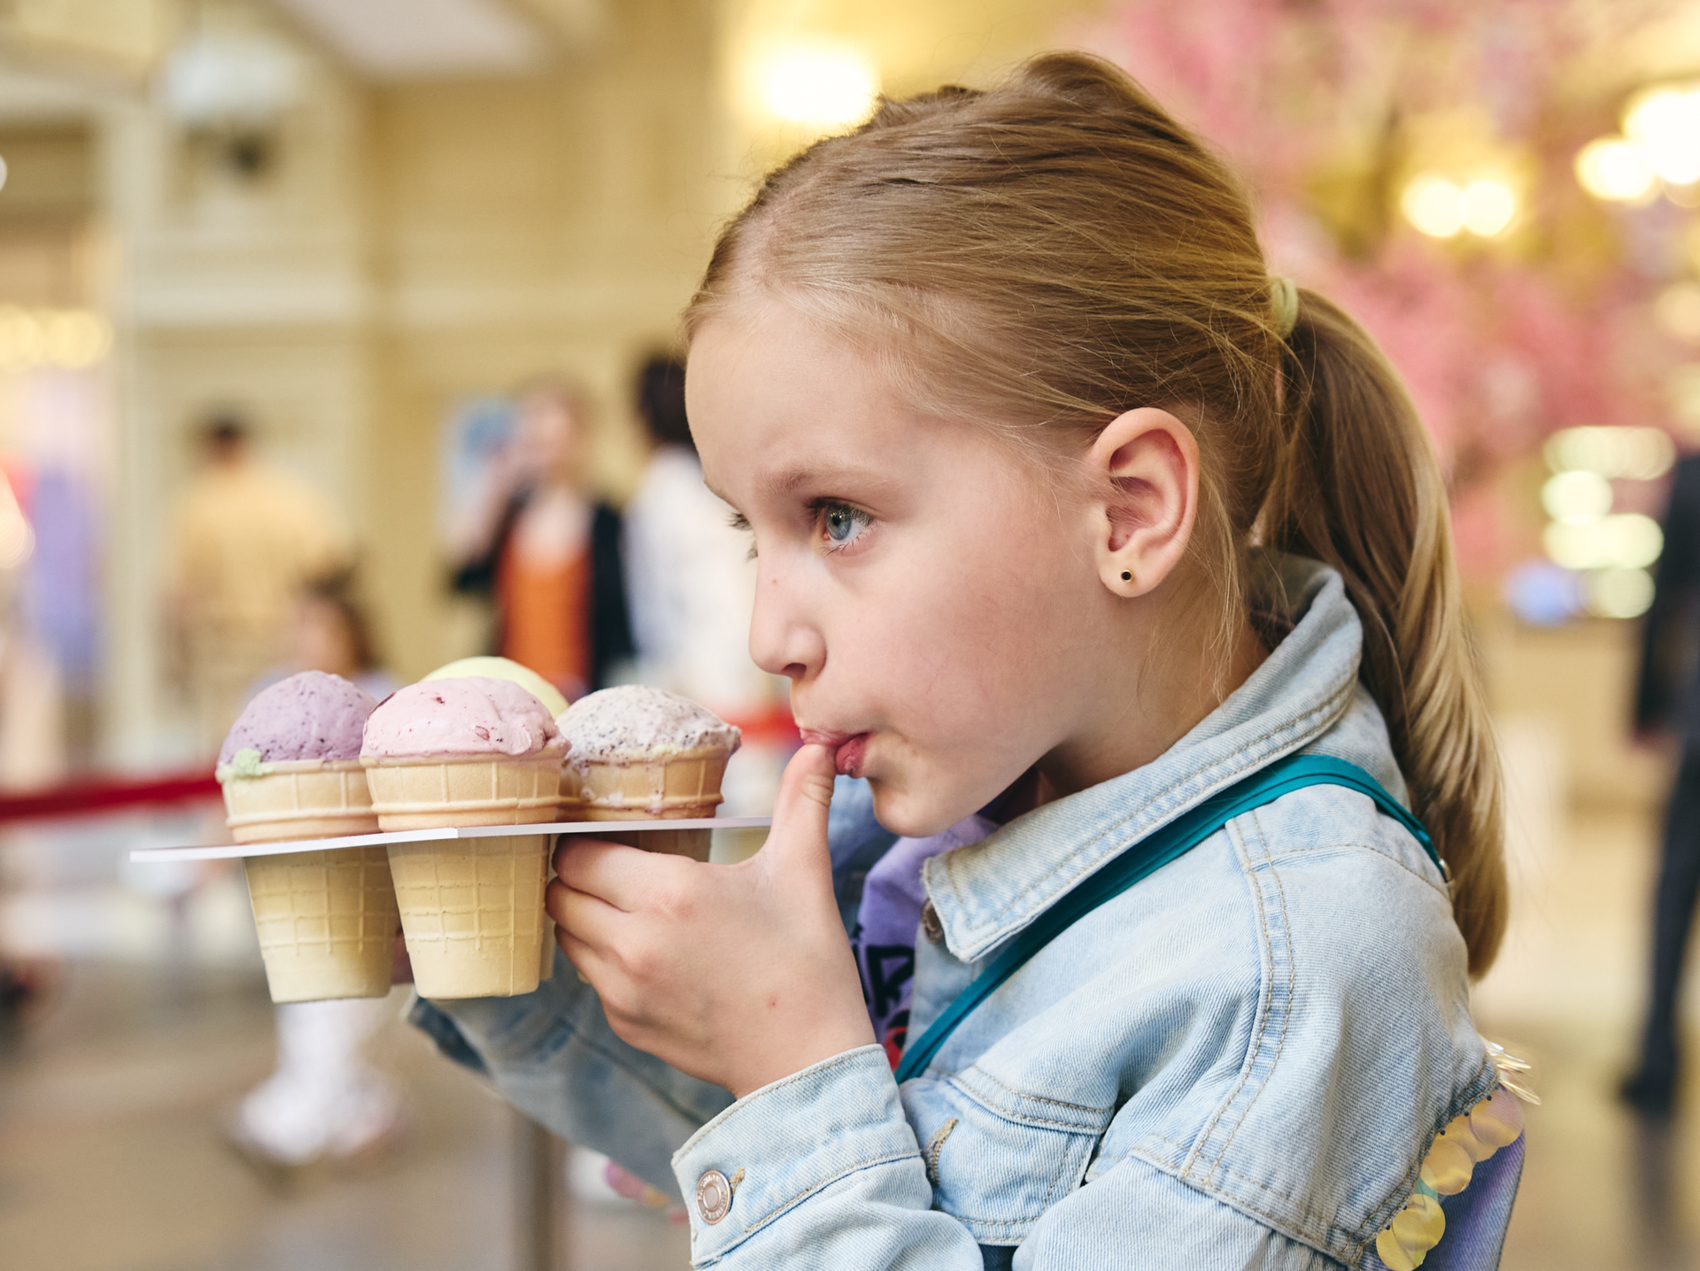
(1284, 303)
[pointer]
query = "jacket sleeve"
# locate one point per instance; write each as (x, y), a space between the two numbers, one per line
(553, 1056)
(826, 1173)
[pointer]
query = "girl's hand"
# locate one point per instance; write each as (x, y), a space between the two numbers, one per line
(737, 974)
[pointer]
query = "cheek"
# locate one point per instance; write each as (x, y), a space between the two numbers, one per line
(981, 636)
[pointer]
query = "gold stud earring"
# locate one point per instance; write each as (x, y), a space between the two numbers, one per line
(1127, 575)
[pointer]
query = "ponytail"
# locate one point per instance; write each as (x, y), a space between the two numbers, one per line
(1358, 487)
(1043, 256)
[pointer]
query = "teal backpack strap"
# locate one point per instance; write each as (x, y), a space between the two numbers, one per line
(1156, 850)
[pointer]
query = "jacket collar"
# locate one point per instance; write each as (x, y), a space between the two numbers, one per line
(985, 893)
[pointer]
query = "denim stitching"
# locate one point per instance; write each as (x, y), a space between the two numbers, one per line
(1022, 1094)
(727, 1115)
(1265, 995)
(1292, 986)
(1270, 1220)
(1304, 849)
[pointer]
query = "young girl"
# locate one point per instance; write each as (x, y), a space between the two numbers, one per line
(1119, 573)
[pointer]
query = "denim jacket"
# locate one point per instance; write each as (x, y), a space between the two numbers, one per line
(1239, 1062)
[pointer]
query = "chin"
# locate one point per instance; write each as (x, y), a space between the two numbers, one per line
(914, 818)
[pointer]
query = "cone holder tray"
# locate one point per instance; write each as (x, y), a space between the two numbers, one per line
(234, 851)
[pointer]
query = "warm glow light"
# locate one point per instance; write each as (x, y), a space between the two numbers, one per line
(1665, 124)
(824, 87)
(1576, 497)
(17, 539)
(1615, 169)
(1434, 205)
(1618, 593)
(1440, 207)
(1488, 207)
(1633, 454)
(1624, 540)
(51, 337)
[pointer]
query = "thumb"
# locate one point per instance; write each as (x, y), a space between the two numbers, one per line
(800, 812)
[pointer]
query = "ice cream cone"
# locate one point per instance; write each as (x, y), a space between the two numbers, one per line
(667, 787)
(472, 912)
(326, 920)
(425, 792)
(298, 799)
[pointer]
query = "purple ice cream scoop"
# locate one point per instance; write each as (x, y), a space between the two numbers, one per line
(308, 716)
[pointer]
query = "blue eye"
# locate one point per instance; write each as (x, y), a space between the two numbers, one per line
(842, 523)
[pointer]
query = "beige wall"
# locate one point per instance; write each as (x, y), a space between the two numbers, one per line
(413, 244)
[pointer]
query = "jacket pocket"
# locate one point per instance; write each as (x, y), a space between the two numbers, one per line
(998, 1158)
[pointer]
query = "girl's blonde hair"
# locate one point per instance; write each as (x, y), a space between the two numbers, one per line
(1053, 252)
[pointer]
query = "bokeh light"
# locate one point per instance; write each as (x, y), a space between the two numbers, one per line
(68, 338)
(1614, 169)
(1576, 497)
(823, 86)
(1632, 454)
(1621, 540)
(1618, 593)
(1665, 124)
(1441, 208)
(1488, 207)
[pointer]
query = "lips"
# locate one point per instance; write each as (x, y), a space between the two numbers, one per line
(848, 749)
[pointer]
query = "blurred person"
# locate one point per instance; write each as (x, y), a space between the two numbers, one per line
(244, 538)
(1667, 700)
(547, 553)
(325, 1103)
(692, 585)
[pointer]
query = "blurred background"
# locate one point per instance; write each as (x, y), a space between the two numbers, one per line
(298, 296)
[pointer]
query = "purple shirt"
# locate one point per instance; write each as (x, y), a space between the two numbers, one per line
(889, 920)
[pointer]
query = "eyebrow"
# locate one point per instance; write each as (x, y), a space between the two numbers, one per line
(788, 481)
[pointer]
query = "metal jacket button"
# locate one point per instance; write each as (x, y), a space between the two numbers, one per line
(714, 1196)
(931, 927)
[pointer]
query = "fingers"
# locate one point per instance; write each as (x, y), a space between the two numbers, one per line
(801, 810)
(585, 916)
(620, 875)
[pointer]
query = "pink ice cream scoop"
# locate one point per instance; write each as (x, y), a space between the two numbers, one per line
(476, 715)
(308, 716)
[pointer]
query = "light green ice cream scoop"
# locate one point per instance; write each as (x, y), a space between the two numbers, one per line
(505, 669)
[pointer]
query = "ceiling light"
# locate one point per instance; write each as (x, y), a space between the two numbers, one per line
(1614, 169)
(824, 87)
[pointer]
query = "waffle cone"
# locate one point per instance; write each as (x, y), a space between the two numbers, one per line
(472, 912)
(326, 921)
(423, 793)
(675, 788)
(299, 799)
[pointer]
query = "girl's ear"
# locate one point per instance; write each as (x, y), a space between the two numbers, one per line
(1144, 470)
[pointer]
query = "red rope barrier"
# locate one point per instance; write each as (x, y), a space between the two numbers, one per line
(773, 727)
(79, 797)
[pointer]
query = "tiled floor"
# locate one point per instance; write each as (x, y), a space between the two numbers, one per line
(110, 1158)
(1601, 1189)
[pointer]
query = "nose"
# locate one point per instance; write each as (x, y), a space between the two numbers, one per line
(784, 638)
